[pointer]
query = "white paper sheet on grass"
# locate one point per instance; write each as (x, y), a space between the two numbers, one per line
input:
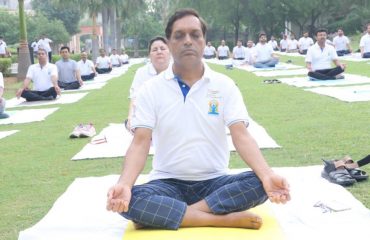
(279, 66)
(350, 79)
(4, 134)
(348, 94)
(65, 98)
(295, 54)
(87, 87)
(354, 57)
(278, 73)
(118, 139)
(79, 213)
(27, 115)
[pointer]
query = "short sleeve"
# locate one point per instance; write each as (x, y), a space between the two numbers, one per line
(54, 70)
(234, 109)
(144, 109)
(30, 72)
(309, 55)
(1, 80)
(334, 53)
(362, 41)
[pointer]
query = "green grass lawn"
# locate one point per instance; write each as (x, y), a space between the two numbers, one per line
(35, 165)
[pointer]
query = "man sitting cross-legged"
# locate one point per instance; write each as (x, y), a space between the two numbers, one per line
(86, 68)
(319, 58)
(264, 56)
(44, 76)
(185, 110)
(68, 73)
(103, 63)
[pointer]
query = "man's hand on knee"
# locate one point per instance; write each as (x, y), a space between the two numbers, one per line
(119, 197)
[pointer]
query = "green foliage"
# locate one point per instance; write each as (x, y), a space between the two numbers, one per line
(5, 64)
(69, 15)
(9, 27)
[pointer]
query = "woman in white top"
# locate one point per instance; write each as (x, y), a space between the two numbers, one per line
(159, 55)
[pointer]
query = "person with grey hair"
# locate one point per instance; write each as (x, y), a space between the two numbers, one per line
(184, 111)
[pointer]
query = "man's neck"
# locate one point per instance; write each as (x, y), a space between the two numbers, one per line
(321, 44)
(43, 64)
(189, 75)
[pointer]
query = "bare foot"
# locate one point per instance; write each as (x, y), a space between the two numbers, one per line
(243, 219)
(138, 226)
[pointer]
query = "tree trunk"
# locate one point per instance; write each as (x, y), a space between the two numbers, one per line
(95, 43)
(118, 30)
(105, 18)
(112, 27)
(24, 60)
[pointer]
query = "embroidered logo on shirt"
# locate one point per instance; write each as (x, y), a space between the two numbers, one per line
(213, 107)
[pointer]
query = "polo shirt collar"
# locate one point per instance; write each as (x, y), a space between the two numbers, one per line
(152, 70)
(169, 75)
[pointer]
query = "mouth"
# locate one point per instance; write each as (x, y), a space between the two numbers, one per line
(189, 52)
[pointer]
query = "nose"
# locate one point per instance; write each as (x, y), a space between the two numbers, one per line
(187, 40)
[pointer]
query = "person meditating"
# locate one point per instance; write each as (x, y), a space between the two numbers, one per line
(183, 111)
(319, 58)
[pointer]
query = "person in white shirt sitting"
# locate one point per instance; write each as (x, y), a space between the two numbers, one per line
(209, 51)
(319, 58)
(239, 51)
(365, 43)
(123, 57)
(292, 44)
(103, 63)
(284, 43)
(2, 100)
(264, 56)
(86, 67)
(223, 51)
(114, 59)
(273, 43)
(342, 43)
(304, 43)
(249, 52)
(44, 76)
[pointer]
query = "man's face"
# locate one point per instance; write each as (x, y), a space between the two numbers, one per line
(102, 53)
(209, 44)
(263, 38)
(239, 43)
(223, 42)
(292, 37)
(368, 29)
(84, 56)
(249, 44)
(42, 56)
(114, 52)
(340, 32)
(305, 34)
(64, 53)
(321, 37)
(272, 38)
(187, 41)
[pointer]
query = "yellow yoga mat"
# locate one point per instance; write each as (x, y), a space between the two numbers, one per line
(269, 230)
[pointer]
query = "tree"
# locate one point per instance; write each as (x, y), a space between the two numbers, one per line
(10, 34)
(24, 60)
(68, 14)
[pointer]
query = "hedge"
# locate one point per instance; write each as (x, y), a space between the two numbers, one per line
(5, 64)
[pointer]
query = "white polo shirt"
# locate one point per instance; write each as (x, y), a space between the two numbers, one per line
(45, 44)
(103, 62)
(365, 42)
(321, 58)
(223, 51)
(249, 54)
(189, 135)
(340, 43)
(114, 59)
(263, 52)
(123, 58)
(1, 80)
(239, 52)
(273, 44)
(41, 77)
(2, 47)
(85, 67)
(292, 44)
(209, 51)
(142, 75)
(284, 43)
(305, 43)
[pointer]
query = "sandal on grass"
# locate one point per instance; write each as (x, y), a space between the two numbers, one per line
(337, 173)
(353, 167)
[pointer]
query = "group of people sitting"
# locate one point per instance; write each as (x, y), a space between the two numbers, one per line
(319, 55)
(48, 79)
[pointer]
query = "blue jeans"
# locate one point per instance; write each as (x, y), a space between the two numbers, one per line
(266, 64)
(162, 203)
